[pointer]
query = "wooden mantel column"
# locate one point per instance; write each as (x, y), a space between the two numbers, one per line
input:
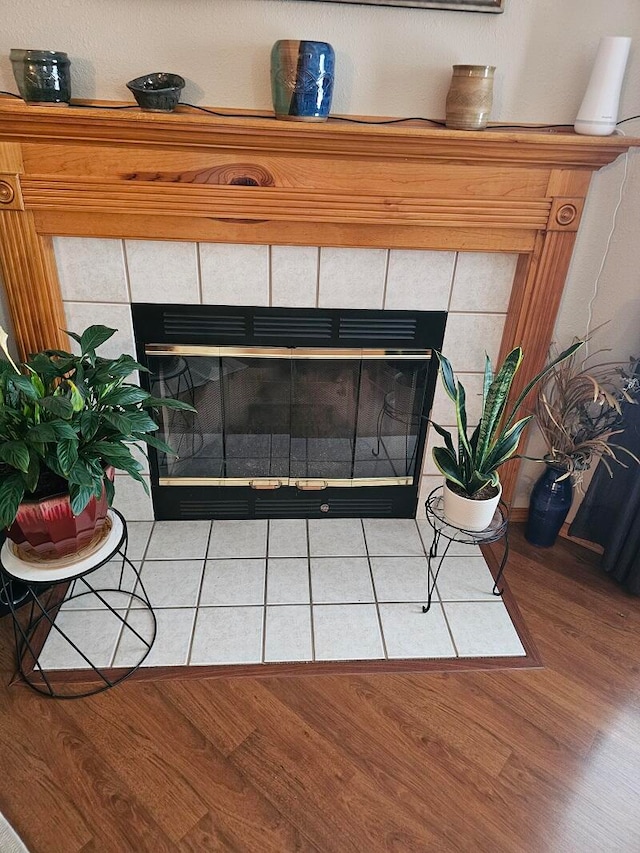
(28, 265)
(184, 176)
(537, 289)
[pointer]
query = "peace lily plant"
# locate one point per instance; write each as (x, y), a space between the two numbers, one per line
(66, 421)
(470, 466)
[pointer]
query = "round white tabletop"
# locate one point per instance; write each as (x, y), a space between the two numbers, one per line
(38, 572)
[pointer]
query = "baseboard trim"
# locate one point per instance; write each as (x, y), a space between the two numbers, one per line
(592, 546)
(518, 513)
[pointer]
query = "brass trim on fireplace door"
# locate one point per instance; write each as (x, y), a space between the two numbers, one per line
(287, 352)
(310, 484)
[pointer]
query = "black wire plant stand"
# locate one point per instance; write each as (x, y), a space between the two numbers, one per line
(45, 602)
(411, 420)
(442, 529)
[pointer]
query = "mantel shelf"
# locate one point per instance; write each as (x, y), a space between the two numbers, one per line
(86, 171)
(91, 124)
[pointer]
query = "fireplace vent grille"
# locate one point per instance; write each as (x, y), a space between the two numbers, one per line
(311, 507)
(261, 326)
(292, 327)
(372, 329)
(212, 508)
(186, 326)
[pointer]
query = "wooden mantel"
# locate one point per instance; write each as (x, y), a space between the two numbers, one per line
(92, 172)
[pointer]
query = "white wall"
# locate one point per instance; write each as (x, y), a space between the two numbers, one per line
(390, 61)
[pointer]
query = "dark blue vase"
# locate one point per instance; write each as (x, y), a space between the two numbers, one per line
(548, 506)
(302, 79)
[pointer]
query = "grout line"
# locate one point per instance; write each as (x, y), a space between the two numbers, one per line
(311, 621)
(140, 564)
(325, 604)
(191, 633)
(475, 313)
(446, 621)
(199, 272)
(268, 539)
(127, 274)
(426, 557)
(198, 599)
(129, 612)
(264, 594)
(100, 301)
(386, 279)
(270, 276)
(375, 593)
(317, 305)
(422, 542)
(453, 280)
(437, 593)
(180, 607)
(494, 599)
(106, 303)
(146, 547)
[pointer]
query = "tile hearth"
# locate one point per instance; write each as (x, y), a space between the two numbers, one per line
(255, 592)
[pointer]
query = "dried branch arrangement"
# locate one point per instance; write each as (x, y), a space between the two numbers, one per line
(579, 410)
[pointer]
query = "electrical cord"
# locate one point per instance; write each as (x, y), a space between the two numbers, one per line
(389, 121)
(622, 121)
(93, 107)
(222, 115)
(333, 118)
(596, 284)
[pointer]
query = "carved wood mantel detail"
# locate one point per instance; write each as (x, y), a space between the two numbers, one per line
(97, 173)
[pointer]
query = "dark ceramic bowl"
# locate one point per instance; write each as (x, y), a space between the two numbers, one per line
(158, 93)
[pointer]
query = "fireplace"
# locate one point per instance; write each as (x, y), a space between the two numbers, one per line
(223, 180)
(300, 412)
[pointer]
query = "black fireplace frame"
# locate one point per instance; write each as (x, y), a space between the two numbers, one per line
(217, 325)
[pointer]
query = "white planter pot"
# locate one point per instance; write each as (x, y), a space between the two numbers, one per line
(468, 514)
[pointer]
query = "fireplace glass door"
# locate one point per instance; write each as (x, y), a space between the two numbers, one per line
(303, 417)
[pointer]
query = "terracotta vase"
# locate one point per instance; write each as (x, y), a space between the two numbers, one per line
(48, 530)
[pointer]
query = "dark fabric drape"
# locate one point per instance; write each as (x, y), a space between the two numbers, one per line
(610, 511)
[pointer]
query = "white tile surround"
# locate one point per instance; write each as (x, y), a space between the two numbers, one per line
(101, 277)
(364, 602)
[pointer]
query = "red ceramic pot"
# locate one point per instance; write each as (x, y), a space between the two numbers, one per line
(48, 529)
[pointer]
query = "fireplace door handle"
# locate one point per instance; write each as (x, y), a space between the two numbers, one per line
(311, 485)
(268, 485)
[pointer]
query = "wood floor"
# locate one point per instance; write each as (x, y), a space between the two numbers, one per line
(529, 760)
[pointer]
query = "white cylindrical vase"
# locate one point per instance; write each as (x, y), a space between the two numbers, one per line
(598, 113)
(468, 514)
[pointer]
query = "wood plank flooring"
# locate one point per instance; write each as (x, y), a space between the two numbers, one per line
(539, 761)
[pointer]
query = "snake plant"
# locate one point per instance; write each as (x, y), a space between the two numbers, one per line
(474, 463)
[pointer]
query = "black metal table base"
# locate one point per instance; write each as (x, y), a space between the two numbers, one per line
(443, 530)
(36, 624)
